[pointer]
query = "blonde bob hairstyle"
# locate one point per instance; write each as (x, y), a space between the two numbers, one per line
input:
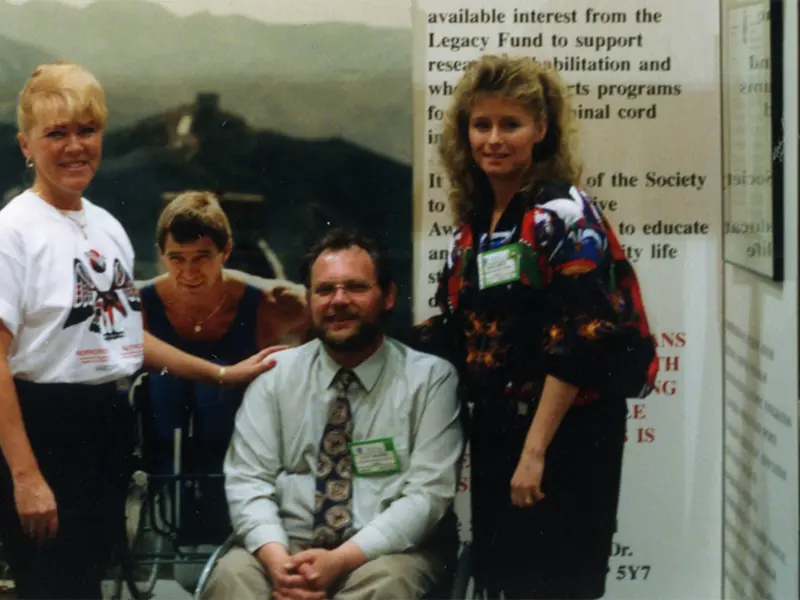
(542, 91)
(58, 84)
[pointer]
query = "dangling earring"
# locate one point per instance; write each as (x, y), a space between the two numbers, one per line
(29, 162)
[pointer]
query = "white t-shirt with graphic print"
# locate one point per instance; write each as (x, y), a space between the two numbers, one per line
(69, 300)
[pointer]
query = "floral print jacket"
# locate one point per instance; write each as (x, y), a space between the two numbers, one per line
(575, 311)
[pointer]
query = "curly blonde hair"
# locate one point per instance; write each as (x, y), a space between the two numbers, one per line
(537, 87)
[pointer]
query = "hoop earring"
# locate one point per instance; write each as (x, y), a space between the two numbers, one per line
(29, 162)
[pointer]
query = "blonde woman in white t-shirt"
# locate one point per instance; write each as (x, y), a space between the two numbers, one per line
(70, 327)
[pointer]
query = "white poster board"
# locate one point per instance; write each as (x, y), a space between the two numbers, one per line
(645, 81)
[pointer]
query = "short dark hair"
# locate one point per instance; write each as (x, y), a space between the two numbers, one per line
(191, 216)
(341, 238)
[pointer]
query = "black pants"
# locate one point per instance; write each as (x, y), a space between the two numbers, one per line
(558, 549)
(82, 439)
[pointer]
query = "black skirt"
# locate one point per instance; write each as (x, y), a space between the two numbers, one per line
(560, 547)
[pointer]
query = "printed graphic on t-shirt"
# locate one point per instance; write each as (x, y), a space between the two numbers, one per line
(99, 297)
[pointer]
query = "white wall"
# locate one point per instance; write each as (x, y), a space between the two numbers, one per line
(761, 393)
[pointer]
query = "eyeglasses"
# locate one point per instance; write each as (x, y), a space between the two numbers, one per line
(351, 286)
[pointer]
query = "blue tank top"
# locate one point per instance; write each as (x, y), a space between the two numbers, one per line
(212, 408)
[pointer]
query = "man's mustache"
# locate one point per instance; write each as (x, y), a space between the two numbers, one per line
(340, 314)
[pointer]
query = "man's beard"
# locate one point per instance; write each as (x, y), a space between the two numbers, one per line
(364, 336)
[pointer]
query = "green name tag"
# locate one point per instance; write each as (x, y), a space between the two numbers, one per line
(374, 457)
(498, 266)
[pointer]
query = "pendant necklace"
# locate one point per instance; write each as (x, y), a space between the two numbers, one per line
(198, 327)
(81, 225)
(68, 214)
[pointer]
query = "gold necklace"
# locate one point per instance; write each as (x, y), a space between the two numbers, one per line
(82, 226)
(198, 327)
(66, 213)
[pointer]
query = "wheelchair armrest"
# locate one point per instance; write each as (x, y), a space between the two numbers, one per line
(226, 546)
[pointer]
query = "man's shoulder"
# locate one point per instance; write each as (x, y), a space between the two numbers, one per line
(291, 367)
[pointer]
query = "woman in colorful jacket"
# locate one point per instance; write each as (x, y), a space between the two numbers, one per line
(543, 316)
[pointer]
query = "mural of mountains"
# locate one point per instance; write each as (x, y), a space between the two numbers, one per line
(140, 40)
(16, 62)
(297, 127)
(17, 59)
(310, 81)
(276, 188)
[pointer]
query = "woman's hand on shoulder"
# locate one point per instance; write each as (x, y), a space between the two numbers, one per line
(245, 371)
(283, 317)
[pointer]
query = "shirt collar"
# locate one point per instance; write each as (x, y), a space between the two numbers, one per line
(367, 372)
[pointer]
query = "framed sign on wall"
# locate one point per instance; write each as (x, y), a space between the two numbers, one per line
(753, 130)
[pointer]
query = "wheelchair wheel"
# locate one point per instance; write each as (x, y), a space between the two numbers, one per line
(6, 582)
(142, 555)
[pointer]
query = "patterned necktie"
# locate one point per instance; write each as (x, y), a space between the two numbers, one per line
(333, 519)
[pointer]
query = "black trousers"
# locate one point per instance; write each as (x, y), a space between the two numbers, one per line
(558, 549)
(82, 437)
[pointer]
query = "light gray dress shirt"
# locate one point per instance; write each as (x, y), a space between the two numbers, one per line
(270, 467)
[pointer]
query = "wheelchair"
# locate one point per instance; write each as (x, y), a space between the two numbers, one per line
(161, 529)
(175, 513)
(455, 587)
(157, 536)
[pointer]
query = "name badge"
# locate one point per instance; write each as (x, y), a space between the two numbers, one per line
(498, 266)
(374, 457)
